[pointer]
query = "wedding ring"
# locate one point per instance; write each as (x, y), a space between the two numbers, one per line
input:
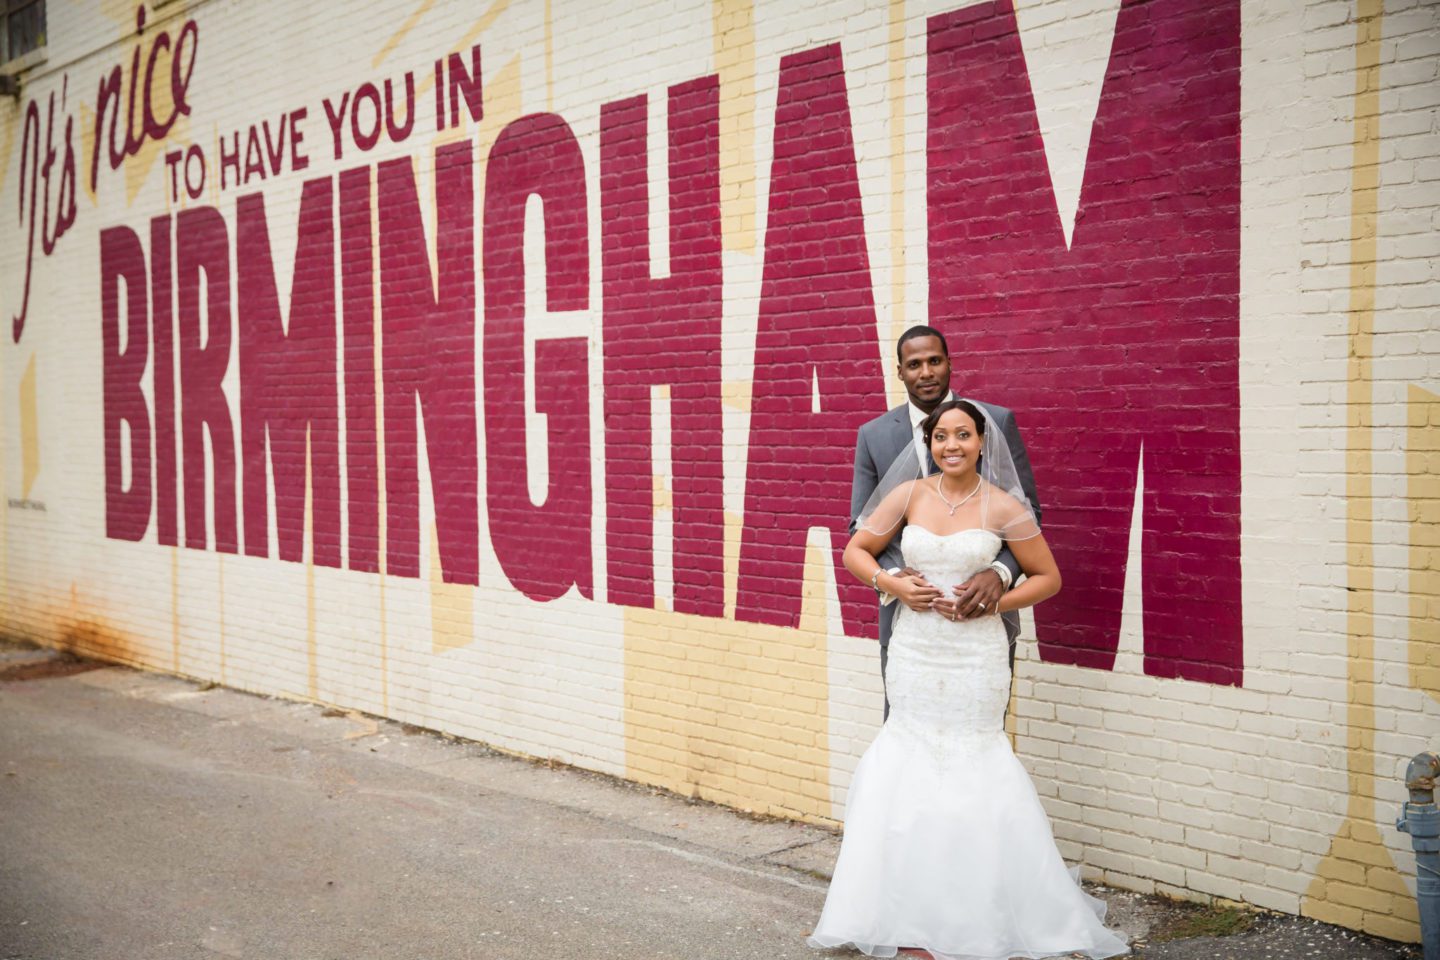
(982, 605)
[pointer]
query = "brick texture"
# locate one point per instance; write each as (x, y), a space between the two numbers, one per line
(498, 370)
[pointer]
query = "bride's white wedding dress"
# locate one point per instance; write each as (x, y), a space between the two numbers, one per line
(946, 845)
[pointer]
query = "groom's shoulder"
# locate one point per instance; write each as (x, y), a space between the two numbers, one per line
(884, 420)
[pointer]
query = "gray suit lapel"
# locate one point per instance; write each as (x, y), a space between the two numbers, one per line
(897, 434)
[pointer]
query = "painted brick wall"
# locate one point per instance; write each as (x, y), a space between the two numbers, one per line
(498, 369)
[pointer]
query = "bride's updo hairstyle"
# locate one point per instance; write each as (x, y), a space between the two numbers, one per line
(928, 425)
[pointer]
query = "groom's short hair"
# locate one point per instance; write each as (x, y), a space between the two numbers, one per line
(915, 333)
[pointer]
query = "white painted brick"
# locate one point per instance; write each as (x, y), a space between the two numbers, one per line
(1166, 785)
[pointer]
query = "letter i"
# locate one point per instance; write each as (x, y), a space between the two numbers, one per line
(163, 335)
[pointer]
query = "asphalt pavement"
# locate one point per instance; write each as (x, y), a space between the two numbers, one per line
(145, 817)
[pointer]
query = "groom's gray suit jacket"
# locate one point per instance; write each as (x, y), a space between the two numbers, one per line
(877, 445)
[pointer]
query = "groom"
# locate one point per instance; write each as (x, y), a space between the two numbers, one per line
(924, 368)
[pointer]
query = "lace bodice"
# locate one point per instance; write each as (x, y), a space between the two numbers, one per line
(948, 559)
(948, 681)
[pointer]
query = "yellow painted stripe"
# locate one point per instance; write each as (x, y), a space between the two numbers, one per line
(734, 529)
(1359, 457)
(734, 42)
(399, 35)
(736, 394)
(29, 431)
(502, 104)
(452, 605)
(737, 713)
(484, 22)
(1356, 884)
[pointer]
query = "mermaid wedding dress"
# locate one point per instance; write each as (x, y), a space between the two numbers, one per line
(946, 845)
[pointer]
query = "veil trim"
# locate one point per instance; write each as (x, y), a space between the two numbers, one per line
(1004, 510)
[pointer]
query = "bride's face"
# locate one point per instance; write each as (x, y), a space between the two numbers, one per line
(955, 443)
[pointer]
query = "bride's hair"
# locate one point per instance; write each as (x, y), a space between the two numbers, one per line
(928, 425)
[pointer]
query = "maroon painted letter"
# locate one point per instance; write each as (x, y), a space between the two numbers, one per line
(543, 548)
(162, 296)
(202, 252)
(1126, 341)
(127, 512)
(663, 331)
(428, 357)
(817, 332)
(288, 390)
(362, 457)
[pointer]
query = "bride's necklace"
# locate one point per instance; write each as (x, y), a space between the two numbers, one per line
(940, 483)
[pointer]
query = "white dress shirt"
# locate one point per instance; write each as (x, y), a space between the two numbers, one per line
(917, 417)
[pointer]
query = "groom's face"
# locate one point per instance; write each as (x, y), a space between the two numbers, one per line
(925, 370)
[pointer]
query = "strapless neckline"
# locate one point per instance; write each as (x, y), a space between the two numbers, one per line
(943, 536)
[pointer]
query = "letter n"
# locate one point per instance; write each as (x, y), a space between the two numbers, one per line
(428, 359)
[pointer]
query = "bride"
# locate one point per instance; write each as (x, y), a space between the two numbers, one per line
(946, 846)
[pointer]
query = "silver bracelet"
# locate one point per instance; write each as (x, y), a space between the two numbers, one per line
(1003, 572)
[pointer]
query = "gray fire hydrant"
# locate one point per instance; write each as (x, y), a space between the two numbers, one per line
(1421, 819)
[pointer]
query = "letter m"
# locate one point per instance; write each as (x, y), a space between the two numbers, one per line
(1120, 351)
(289, 393)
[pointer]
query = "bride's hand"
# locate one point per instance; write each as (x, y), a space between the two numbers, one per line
(947, 607)
(915, 591)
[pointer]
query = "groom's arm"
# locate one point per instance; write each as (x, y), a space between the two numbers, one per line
(865, 480)
(863, 484)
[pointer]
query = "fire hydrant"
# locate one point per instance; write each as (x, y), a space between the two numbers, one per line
(1421, 819)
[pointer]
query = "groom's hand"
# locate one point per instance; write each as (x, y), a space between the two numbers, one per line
(979, 595)
(915, 591)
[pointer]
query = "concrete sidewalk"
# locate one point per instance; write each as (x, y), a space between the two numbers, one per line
(152, 818)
